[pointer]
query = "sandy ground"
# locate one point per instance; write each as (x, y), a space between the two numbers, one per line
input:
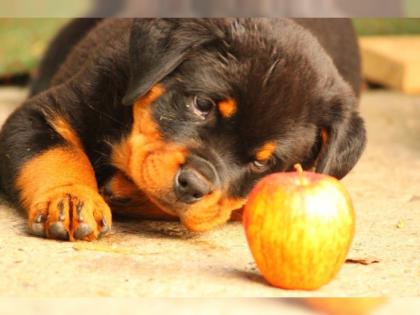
(151, 259)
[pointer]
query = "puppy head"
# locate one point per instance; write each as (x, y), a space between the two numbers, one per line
(220, 103)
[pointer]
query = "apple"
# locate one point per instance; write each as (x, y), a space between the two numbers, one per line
(299, 227)
(345, 306)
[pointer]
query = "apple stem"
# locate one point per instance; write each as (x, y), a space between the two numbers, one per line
(299, 169)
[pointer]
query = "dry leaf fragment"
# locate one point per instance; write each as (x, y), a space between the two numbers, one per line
(363, 261)
(414, 198)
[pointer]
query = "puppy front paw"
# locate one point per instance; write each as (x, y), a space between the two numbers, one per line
(73, 212)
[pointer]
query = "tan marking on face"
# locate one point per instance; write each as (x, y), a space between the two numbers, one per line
(155, 92)
(266, 151)
(149, 161)
(143, 120)
(227, 108)
(144, 131)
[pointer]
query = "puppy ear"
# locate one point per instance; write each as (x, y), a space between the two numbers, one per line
(344, 141)
(157, 48)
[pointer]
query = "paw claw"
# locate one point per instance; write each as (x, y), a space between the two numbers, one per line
(104, 229)
(37, 229)
(104, 223)
(62, 216)
(79, 209)
(58, 231)
(82, 231)
(40, 218)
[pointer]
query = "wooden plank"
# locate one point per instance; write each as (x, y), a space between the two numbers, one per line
(393, 61)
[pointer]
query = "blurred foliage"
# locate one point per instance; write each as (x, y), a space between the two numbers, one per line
(412, 8)
(45, 8)
(387, 26)
(23, 42)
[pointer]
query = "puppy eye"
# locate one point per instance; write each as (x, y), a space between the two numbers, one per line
(258, 166)
(203, 106)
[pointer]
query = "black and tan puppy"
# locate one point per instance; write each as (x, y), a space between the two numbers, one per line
(178, 118)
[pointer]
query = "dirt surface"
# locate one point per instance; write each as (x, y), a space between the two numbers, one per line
(152, 259)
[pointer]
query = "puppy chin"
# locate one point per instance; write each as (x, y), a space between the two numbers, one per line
(195, 221)
(196, 218)
(203, 216)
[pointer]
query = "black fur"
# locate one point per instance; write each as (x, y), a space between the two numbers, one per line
(58, 50)
(288, 85)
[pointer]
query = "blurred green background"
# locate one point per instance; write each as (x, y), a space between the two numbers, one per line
(24, 40)
(404, 26)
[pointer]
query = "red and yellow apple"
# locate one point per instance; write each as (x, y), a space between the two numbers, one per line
(299, 227)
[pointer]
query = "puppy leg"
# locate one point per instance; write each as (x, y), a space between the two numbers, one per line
(58, 189)
(44, 168)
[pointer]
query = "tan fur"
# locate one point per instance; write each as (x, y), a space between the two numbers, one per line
(227, 108)
(266, 151)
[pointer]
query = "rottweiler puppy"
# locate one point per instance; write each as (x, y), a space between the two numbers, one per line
(178, 119)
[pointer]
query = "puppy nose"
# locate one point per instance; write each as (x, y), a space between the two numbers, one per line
(191, 186)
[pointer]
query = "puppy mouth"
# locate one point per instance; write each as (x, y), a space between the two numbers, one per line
(165, 205)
